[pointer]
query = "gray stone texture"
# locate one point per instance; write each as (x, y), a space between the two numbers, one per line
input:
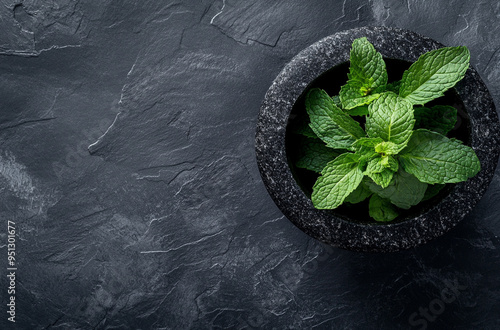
(167, 224)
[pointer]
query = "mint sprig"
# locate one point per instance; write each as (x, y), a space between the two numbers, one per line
(367, 75)
(401, 155)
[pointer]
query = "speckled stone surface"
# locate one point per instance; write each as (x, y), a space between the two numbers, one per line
(341, 231)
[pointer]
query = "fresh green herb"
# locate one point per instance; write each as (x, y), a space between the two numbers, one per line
(401, 156)
(439, 118)
(381, 209)
(433, 74)
(330, 123)
(315, 155)
(367, 75)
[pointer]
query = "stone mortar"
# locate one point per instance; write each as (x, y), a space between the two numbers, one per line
(338, 231)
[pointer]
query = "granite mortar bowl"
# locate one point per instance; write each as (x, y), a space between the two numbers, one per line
(325, 64)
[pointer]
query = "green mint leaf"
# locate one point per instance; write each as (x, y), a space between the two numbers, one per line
(351, 97)
(362, 110)
(383, 179)
(367, 142)
(315, 155)
(364, 159)
(433, 74)
(390, 163)
(336, 101)
(439, 118)
(432, 190)
(394, 87)
(367, 67)
(433, 158)
(338, 179)
(387, 148)
(404, 191)
(365, 149)
(381, 209)
(380, 163)
(367, 75)
(359, 194)
(304, 129)
(329, 123)
(381, 170)
(374, 166)
(391, 119)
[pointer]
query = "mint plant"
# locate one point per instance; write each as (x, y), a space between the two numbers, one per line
(399, 154)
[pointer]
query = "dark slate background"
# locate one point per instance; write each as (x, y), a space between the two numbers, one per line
(167, 224)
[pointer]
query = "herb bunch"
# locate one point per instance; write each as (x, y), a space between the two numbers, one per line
(402, 155)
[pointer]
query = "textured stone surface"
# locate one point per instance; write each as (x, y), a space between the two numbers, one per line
(168, 223)
(342, 231)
